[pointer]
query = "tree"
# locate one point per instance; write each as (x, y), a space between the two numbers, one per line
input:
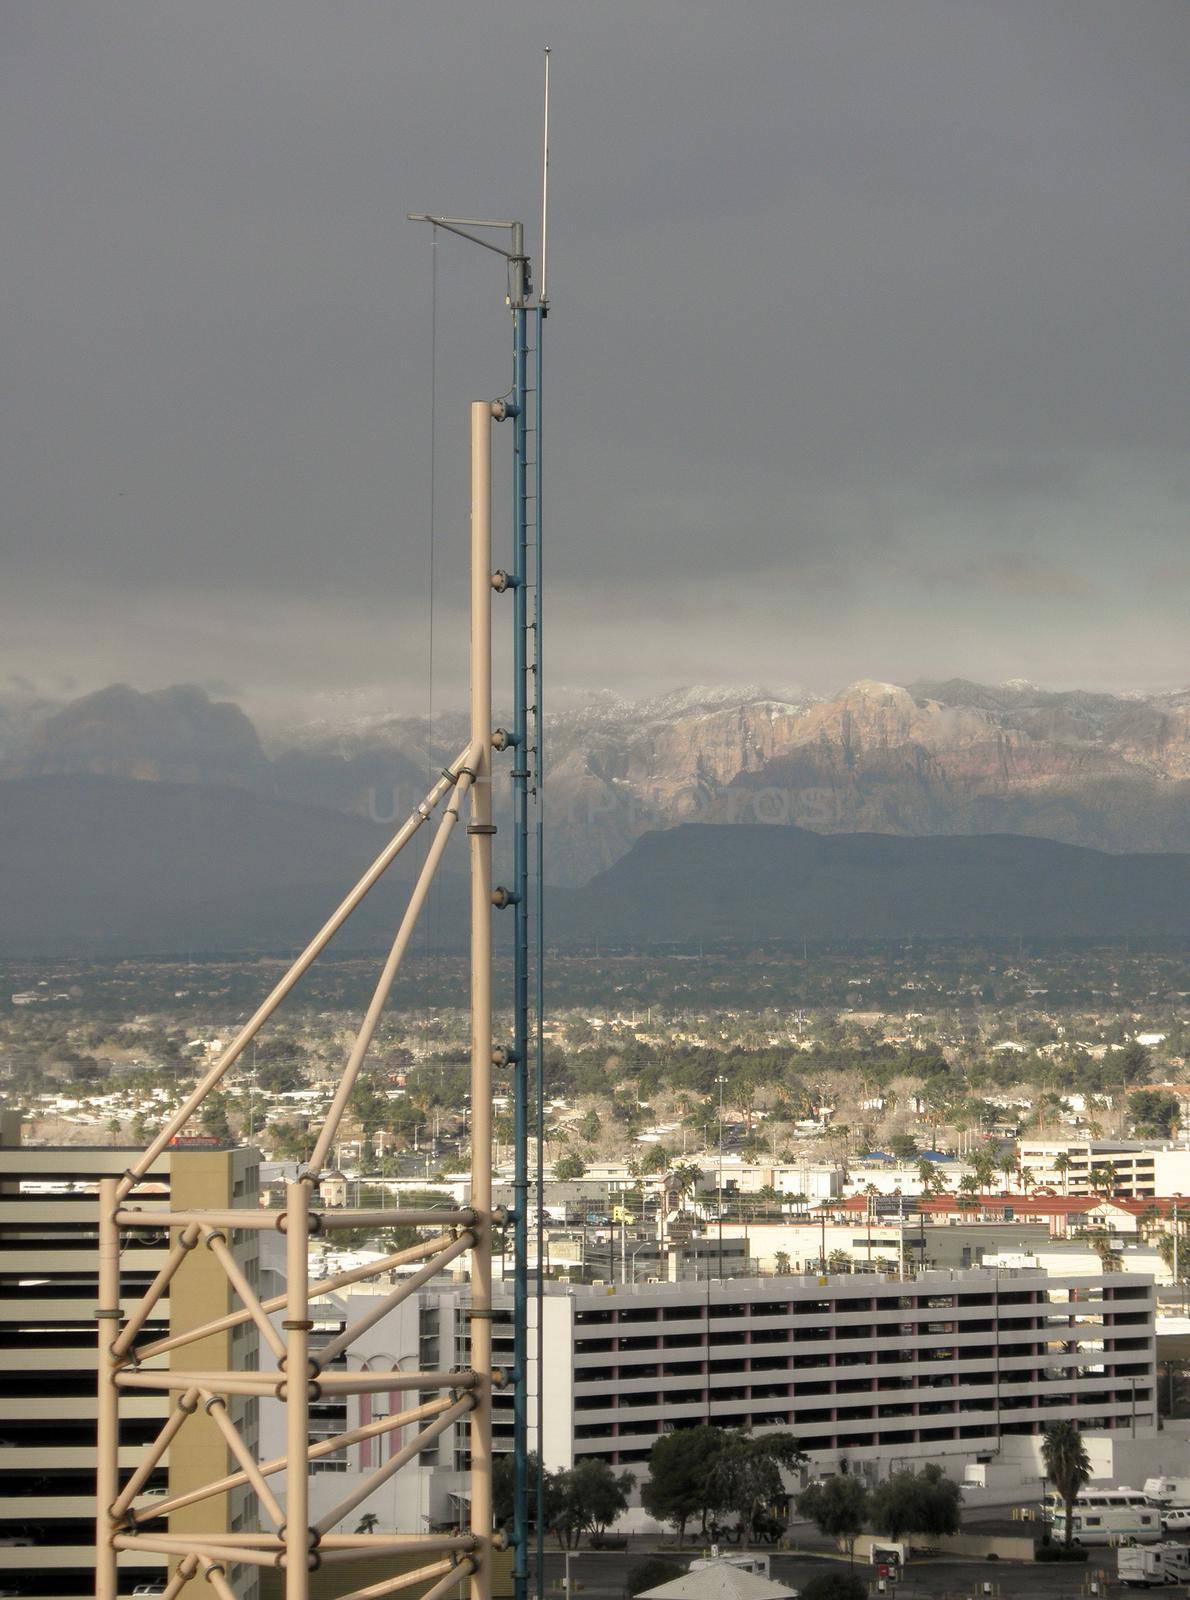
(213, 1117)
(1068, 1465)
(916, 1502)
(903, 1145)
(651, 1573)
(930, 1178)
(1155, 1113)
(680, 1464)
(983, 1165)
(783, 1263)
(835, 1586)
(838, 1507)
(591, 1496)
(569, 1167)
(502, 1486)
(367, 1523)
(745, 1479)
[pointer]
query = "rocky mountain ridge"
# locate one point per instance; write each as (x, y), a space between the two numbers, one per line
(941, 757)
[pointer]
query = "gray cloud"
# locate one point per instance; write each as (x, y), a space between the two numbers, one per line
(865, 310)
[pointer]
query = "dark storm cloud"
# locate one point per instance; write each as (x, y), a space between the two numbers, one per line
(867, 355)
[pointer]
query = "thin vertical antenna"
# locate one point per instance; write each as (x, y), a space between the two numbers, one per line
(544, 296)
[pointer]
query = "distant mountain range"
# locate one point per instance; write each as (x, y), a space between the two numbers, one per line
(100, 865)
(120, 803)
(753, 883)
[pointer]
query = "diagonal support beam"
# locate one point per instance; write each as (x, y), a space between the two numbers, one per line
(217, 1245)
(216, 1408)
(318, 1287)
(381, 1307)
(143, 1309)
(324, 1447)
(187, 1404)
(185, 1570)
(317, 945)
(367, 1031)
(451, 1573)
(400, 1458)
(213, 1572)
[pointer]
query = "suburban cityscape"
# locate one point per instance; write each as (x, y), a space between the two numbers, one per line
(757, 1168)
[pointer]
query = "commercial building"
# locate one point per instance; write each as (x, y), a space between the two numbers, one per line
(861, 1369)
(48, 1282)
(1132, 1169)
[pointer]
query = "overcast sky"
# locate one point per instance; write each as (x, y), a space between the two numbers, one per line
(868, 354)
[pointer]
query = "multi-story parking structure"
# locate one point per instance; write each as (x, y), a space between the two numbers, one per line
(48, 1290)
(948, 1363)
(862, 1368)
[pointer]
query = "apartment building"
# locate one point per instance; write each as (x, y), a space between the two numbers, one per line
(48, 1282)
(1131, 1169)
(862, 1369)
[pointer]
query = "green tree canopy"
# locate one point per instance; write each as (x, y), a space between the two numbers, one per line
(916, 1502)
(837, 1506)
(677, 1487)
(568, 1167)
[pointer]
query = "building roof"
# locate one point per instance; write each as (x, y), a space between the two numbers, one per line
(719, 1580)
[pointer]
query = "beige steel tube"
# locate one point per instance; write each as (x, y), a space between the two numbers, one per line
(343, 1217)
(395, 1462)
(107, 1426)
(355, 1546)
(318, 1286)
(183, 1573)
(265, 1383)
(382, 1306)
(213, 1572)
(406, 1580)
(480, 832)
(297, 1391)
(217, 1245)
(182, 1247)
(148, 1221)
(445, 1585)
(165, 1544)
(324, 1447)
(216, 1408)
(367, 1028)
(378, 1382)
(186, 1405)
(316, 946)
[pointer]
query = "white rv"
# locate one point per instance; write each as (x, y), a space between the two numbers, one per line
(1168, 1491)
(1106, 1516)
(1141, 1566)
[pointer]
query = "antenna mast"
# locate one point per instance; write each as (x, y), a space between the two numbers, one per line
(523, 582)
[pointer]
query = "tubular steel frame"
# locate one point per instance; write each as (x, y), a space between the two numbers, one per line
(292, 1543)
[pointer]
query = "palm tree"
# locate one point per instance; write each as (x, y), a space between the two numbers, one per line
(983, 1165)
(1067, 1463)
(1007, 1165)
(367, 1522)
(1062, 1168)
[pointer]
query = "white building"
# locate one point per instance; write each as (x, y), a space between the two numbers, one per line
(1139, 1169)
(860, 1369)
